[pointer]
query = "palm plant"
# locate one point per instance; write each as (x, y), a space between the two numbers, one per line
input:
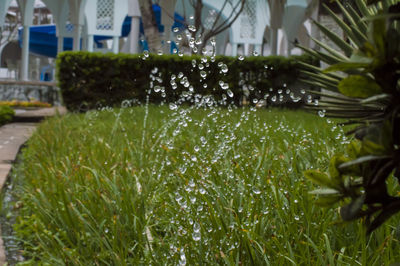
(362, 86)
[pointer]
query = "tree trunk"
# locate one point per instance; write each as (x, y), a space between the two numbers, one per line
(150, 26)
(276, 8)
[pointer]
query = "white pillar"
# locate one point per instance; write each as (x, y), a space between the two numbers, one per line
(115, 45)
(25, 53)
(77, 37)
(246, 49)
(274, 41)
(84, 43)
(234, 49)
(134, 36)
(26, 8)
(60, 44)
(90, 43)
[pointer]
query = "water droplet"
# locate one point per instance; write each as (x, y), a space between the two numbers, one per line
(179, 37)
(255, 53)
(321, 113)
(256, 191)
(201, 66)
(213, 42)
(146, 53)
(157, 88)
(182, 258)
(241, 57)
(230, 93)
(159, 52)
(176, 29)
(178, 197)
(203, 74)
(196, 236)
(192, 28)
(196, 227)
(173, 106)
(224, 68)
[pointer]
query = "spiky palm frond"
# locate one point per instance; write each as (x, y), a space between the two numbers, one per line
(361, 84)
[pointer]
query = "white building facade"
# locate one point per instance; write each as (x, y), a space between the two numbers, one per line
(253, 31)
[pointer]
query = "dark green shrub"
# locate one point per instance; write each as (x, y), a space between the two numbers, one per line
(364, 88)
(93, 79)
(6, 114)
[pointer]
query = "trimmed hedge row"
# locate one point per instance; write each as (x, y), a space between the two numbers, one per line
(90, 80)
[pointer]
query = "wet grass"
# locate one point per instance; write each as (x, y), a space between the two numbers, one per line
(148, 185)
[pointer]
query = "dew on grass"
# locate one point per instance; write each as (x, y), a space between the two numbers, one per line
(173, 106)
(182, 258)
(202, 191)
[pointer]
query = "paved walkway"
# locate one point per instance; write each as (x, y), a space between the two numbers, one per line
(12, 136)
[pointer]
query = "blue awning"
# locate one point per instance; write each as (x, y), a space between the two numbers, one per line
(43, 39)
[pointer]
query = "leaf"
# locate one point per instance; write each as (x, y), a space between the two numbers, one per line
(318, 177)
(325, 192)
(353, 149)
(346, 66)
(334, 173)
(375, 98)
(378, 34)
(386, 213)
(361, 160)
(338, 40)
(326, 201)
(353, 210)
(358, 86)
(370, 147)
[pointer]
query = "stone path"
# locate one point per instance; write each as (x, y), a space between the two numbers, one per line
(12, 137)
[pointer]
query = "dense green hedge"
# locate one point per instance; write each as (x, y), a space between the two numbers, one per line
(6, 114)
(94, 79)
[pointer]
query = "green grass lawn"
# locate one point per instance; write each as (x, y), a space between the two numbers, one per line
(154, 186)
